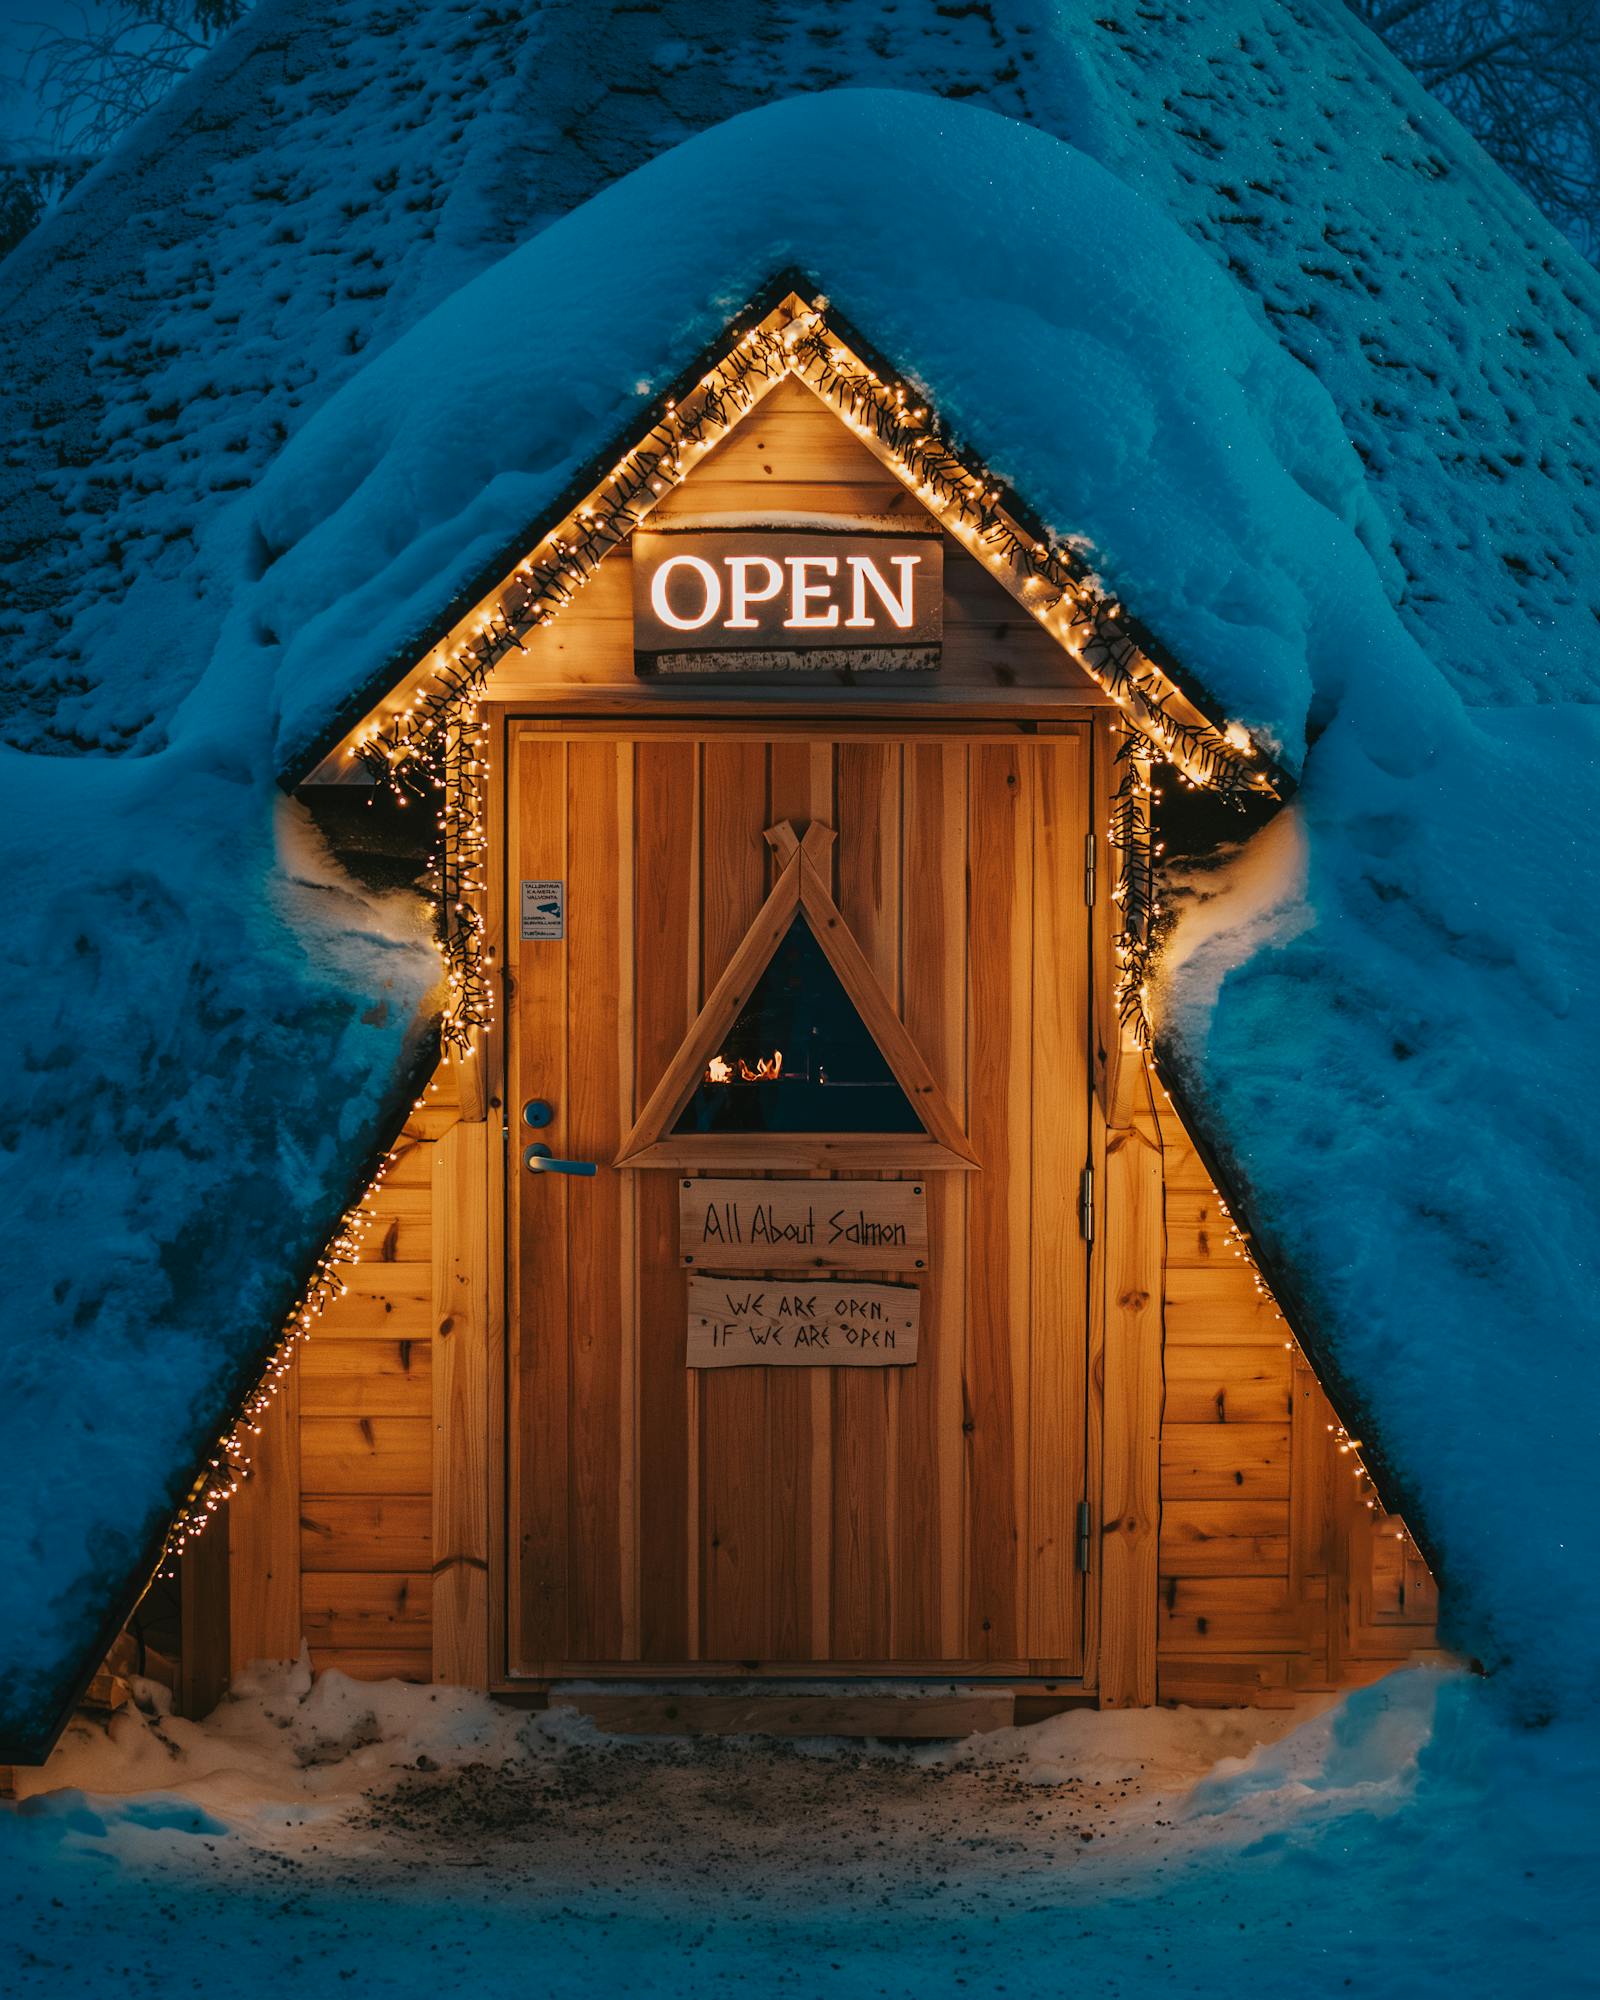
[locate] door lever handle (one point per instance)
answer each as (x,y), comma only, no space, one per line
(540,1160)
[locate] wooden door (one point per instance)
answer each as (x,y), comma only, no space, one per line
(904,1518)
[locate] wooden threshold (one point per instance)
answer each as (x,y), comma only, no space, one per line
(1019,1676)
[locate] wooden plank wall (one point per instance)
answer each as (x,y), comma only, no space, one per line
(331,1539)
(1274,1577)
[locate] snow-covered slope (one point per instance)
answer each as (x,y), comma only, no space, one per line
(339,166)
(209,548)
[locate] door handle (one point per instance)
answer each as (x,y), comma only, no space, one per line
(540,1160)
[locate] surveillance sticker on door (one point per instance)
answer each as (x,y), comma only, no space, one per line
(544,910)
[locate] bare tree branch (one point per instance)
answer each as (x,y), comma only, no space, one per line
(103,75)
(1523,76)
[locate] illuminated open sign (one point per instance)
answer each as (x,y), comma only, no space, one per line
(786,600)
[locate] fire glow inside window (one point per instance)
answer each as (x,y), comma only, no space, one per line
(798,1058)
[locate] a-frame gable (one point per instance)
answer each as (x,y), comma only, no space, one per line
(423,737)
(794,343)
(794,462)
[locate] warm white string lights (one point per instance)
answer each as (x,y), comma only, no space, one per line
(229,1460)
(427,741)
(1346,1445)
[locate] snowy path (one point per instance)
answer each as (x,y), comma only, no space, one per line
(403,1841)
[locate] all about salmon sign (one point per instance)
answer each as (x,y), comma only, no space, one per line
(751,1225)
(782,601)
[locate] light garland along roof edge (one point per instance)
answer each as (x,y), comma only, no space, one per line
(783,334)
(421,739)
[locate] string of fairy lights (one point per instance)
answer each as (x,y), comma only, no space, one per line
(1136,892)
(431,748)
(1345,1444)
(219,1477)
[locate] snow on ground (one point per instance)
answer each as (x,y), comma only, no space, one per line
(348,1838)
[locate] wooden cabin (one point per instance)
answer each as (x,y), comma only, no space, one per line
(796,1269)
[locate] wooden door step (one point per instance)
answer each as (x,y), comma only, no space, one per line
(789,1711)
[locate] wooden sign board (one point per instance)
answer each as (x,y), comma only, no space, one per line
(731,1225)
(801,1323)
(786,601)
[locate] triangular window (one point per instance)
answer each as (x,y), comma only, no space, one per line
(798,1058)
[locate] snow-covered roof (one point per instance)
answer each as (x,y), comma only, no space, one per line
(351,311)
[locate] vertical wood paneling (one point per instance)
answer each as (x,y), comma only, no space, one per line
(625,1250)
(499,1323)
(1060,1140)
(1000,810)
(264,1539)
(460,1551)
(798,1401)
(588,1126)
(1132,1494)
(667,927)
(930,1549)
(865,1401)
(539,1376)
(809,1515)
(734,1454)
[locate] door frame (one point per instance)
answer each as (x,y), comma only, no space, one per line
(774,716)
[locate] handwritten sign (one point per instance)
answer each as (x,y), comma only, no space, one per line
(800,1323)
(785,601)
(731,1225)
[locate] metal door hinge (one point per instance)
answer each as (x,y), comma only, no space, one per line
(1085,1537)
(1089,869)
(1086,1204)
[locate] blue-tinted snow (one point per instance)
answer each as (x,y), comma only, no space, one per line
(340,166)
(208,1042)
(1225,493)
(351,1836)
(1396,1066)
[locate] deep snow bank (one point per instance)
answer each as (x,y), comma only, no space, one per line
(208,1039)
(1207,470)
(337,167)
(1390,1057)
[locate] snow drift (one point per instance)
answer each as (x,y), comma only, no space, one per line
(1403,1843)
(208,1035)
